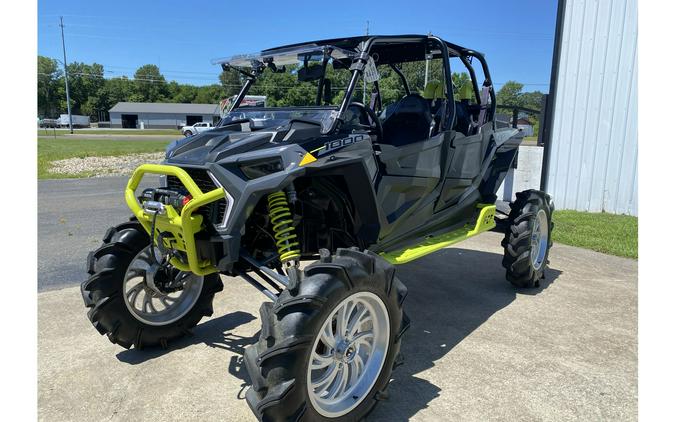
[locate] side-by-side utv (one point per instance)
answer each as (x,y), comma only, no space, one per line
(384,161)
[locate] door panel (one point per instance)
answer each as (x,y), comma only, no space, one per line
(464,166)
(421,159)
(410,173)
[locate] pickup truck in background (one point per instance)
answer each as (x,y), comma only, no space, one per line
(196,128)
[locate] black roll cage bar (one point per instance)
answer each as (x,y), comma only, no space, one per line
(359,63)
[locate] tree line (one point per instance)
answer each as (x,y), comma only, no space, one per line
(93,95)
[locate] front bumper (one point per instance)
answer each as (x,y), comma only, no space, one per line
(183,225)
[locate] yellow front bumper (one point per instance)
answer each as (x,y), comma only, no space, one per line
(182,225)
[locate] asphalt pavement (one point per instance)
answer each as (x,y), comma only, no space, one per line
(477,349)
(73,215)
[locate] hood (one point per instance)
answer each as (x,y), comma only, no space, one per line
(219,143)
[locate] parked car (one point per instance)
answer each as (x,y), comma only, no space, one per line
(196,128)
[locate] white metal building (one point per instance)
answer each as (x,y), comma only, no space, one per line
(161,115)
(592,163)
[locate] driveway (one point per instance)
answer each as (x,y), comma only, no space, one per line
(477,349)
(73,215)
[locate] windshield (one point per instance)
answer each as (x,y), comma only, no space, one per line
(312,80)
(266,118)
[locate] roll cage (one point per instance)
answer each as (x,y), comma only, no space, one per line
(354,54)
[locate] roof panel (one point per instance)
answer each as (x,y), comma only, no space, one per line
(176,108)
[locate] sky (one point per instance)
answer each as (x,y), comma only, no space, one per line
(183,37)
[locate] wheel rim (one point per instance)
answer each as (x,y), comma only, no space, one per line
(151,306)
(348,354)
(539,239)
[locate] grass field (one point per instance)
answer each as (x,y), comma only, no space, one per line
(530,140)
(50,132)
(602,232)
(57,149)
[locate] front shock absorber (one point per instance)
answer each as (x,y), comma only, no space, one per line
(282,226)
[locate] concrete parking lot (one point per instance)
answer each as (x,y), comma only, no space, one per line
(477,349)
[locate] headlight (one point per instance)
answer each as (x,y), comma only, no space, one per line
(256,169)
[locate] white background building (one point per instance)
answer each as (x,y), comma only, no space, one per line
(162,115)
(593,149)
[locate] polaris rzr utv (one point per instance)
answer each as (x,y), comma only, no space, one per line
(385,161)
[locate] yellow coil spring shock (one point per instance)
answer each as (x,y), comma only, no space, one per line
(282,226)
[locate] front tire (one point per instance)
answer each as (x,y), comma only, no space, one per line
(294,366)
(117,284)
(187,133)
(528,238)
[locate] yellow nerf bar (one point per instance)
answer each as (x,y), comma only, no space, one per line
(485,222)
(183,226)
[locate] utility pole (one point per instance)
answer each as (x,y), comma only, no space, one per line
(65,71)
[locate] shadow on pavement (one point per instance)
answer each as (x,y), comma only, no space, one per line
(216,332)
(450,294)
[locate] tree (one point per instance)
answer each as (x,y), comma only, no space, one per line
(178,93)
(84,81)
(50,79)
(510,94)
(532,99)
(231,82)
(209,94)
(150,85)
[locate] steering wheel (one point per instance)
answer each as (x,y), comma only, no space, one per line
(375,124)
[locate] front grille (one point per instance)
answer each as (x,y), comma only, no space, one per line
(214,212)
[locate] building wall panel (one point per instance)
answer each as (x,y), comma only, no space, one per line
(593,162)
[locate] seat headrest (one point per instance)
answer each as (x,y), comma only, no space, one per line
(412,103)
(433,90)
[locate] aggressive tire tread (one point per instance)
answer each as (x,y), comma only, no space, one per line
(102,292)
(276,363)
(516,243)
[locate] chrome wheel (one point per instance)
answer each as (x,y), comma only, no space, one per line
(539,239)
(348,354)
(150,305)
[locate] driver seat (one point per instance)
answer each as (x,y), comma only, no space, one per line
(409,122)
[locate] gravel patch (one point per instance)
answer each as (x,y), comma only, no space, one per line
(104,166)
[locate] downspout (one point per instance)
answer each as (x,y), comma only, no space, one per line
(553,91)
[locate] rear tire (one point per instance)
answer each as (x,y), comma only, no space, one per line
(528,238)
(278,363)
(104,293)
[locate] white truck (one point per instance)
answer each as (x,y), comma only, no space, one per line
(78,121)
(196,128)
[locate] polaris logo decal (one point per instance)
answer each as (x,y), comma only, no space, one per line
(340,143)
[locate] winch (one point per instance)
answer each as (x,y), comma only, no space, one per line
(153,200)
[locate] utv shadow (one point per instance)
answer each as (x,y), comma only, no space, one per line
(215,332)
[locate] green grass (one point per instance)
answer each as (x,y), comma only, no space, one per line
(58,149)
(50,132)
(602,232)
(530,140)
